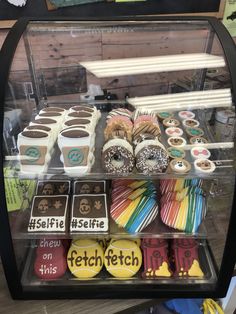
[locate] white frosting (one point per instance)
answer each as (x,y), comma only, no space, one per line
(147,143)
(118,142)
(200,155)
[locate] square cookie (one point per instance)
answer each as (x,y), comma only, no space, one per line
(49,214)
(53,187)
(89,187)
(89,213)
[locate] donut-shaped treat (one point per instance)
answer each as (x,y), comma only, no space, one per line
(151,157)
(118,130)
(117,156)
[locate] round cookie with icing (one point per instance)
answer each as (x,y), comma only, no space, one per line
(204,165)
(85,258)
(174,131)
(197,140)
(123,258)
(175,152)
(176,141)
(200,152)
(194,132)
(179,165)
(164,115)
(185,114)
(171,122)
(190,123)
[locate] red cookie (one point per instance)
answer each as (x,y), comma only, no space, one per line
(185,258)
(50,262)
(155,258)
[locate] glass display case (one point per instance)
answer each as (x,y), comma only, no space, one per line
(118,158)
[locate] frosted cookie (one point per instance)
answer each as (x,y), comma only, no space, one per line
(118,129)
(117,156)
(35,147)
(186,115)
(179,165)
(53,109)
(85,258)
(89,187)
(176,141)
(204,165)
(164,115)
(53,187)
(186,258)
(85,123)
(58,116)
(50,262)
(199,152)
(146,131)
(151,157)
(155,258)
(120,112)
(123,259)
(194,132)
(49,122)
(89,213)
(190,123)
(76,146)
(49,214)
(175,152)
(174,131)
(38,127)
(171,122)
(87,108)
(197,140)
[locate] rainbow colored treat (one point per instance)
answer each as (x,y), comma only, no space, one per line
(134,205)
(173,185)
(186,214)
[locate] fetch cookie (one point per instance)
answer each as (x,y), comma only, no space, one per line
(89,213)
(85,258)
(123,258)
(155,256)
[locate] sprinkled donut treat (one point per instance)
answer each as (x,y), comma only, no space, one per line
(146,131)
(134,204)
(151,157)
(117,156)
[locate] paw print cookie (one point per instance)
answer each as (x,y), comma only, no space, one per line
(179,165)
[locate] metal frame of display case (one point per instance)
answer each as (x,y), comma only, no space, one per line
(119,289)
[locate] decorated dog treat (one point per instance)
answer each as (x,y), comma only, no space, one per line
(179,165)
(50,262)
(76,147)
(117,156)
(185,214)
(197,140)
(194,132)
(120,112)
(123,259)
(155,258)
(151,157)
(49,214)
(175,152)
(53,187)
(89,213)
(164,115)
(186,115)
(186,258)
(146,131)
(176,141)
(34,148)
(118,129)
(89,187)
(85,258)
(170,122)
(199,152)
(172,185)
(134,205)
(190,123)
(204,165)
(173,131)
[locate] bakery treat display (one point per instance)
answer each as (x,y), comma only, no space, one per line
(123,258)
(173,131)
(204,165)
(89,213)
(164,115)
(185,114)
(134,204)
(179,165)
(199,152)
(49,214)
(190,123)
(53,187)
(89,187)
(194,132)
(50,261)
(155,258)
(85,258)
(170,122)
(175,152)
(197,140)
(176,141)
(176,185)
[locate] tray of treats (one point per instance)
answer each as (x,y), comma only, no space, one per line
(83,140)
(86,261)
